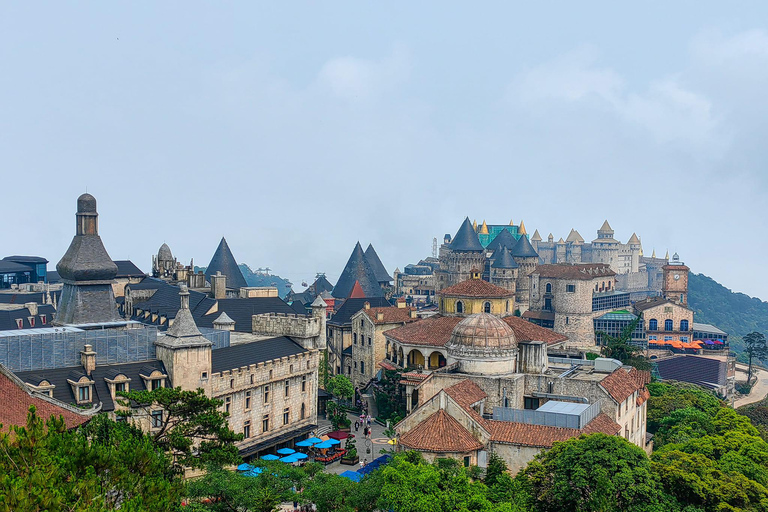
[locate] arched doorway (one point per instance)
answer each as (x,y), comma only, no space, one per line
(415,358)
(436,360)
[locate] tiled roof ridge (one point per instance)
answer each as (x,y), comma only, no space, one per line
(440,432)
(475,288)
(544,436)
(621,383)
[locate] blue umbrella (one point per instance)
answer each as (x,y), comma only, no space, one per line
(352,475)
(299,456)
(253,472)
(314,440)
(306,443)
(289,459)
(244,467)
(324,444)
(285,451)
(269,456)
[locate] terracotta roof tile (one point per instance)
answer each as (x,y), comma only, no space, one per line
(527,331)
(622,383)
(433,331)
(390,315)
(475,288)
(642,397)
(440,432)
(544,436)
(582,271)
(466,393)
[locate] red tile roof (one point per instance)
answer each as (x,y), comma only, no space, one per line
(622,383)
(466,393)
(387,366)
(475,288)
(642,397)
(543,436)
(581,271)
(390,315)
(15,398)
(433,331)
(442,433)
(527,331)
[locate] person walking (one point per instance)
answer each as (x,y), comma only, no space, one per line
(357,425)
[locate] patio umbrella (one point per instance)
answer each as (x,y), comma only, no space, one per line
(290,459)
(286,451)
(709,342)
(244,467)
(269,456)
(720,342)
(306,443)
(352,475)
(299,456)
(253,472)
(326,444)
(340,434)
(313,440)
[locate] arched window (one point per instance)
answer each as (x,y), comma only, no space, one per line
(487,307)
(507,306)
(668,325)
(549,287)
(303,411)
(459,306)
(653,324)
(683,325)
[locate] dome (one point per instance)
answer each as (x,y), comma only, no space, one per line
(482,335)
(164,254)
(86,203)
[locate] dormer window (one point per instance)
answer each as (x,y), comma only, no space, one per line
(41,386)
(20,323)
(31,321)
(81,387)
(152,377)
(43,320)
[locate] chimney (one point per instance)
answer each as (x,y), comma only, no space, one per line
(401,303)
(88,359)
(380,316)
(31,307)
(219,286)
(413,313)
(367,305)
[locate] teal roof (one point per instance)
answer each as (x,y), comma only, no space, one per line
(494,230)
(618,315)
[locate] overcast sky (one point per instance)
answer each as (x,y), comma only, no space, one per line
(296,129)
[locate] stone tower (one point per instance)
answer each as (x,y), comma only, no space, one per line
(527,259)
(636,250)
(504,270)
(675,284)
(464,253)
(87,272)
(184,351)
(164,264)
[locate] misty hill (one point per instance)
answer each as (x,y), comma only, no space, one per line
(735,313)
(261,279)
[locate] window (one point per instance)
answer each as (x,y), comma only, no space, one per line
(84,394)
(567,320)
(303,383)
(570,288)
(251,378)
(459,306)
(507,308)
(653,324)
(286,416)
(466,462)
(667,338)
(653,338)
(290,369)
(265,423)
(270,374)
(303,411)
(682,298)
(355,365)
(266,394)
(530,403)
(157,383)
(684,339)
(354,338)
(120,387)
(231,383)
(683,325)
(247,400)
(487,307)
(549,288)
(288,387)
(227,403)
(204,375)
(369,341)
(362,367)
(43,319)
(247,429)
(668,325)
(547,304)
(157,419)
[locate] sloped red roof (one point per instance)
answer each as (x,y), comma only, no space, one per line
(543,436)
(466,393)
(357,291)
(440,432)
(433,331)
(475,288)
(527,331)
(622,383)
(15,400)
(390,315)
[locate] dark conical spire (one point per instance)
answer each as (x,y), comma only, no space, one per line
(466,239)
(524,249)
(504,238)
(382,276)
(502,258)
(359,270)
(223,261)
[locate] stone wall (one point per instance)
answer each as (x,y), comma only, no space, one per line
(308,330)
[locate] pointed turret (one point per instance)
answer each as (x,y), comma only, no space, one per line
(524,249)
(654,253)
(184,331)
(357,270)
(223,261)
(536,236)
(574,237)
(633,240)
(521,230)
(550,238)
(666,256)
(483,229)
(474,224)
(382,276)
(606,228)
(511,222)
(466,239)
(502,258)
(504,238)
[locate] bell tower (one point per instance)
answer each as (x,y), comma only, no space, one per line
(675,285)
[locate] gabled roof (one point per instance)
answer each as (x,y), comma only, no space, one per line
(390,315)
(130,370)
(502,258)
(504,238)
(126,268)
(475,288)
(466,393)
(351,306)
(440,432)
(543,436)
(357,269)
(653,302)
(382,276)
(621,382)
(524,249)
(223,261)
(466,239)
(432,331)
(320,285)
(241,310)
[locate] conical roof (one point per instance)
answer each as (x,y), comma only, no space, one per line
(382,276)
(633,240)
(483,229)
(184,331)
(164,253)
(504,238)
(536,236)
(502,258)
(466,239)
(524,249)
(224,262)
(521,229)
(574,237)
(606,228)
(223,319)
(359,270)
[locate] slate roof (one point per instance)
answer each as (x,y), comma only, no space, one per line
(241,311)
(622,383)
(126,268)
(9,318)
(503,239)
(440,432)
(16,398)
(702,371)
(359,270)
(390,315)
(320,285)
(8,267)
(22,298)
(527,331)
(579,271)
(502,258)
(246,354)
(382,276)
(708,328)
(26,259)
(223,261)
(475,288)
(543,436)
(466,239)
(351,306)
(524,249)
(166,302)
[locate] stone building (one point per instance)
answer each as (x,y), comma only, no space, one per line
(368,342)
(665,320)
(339,327)
(417,283)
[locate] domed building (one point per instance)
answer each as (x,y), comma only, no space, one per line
(483,344)
(164,264)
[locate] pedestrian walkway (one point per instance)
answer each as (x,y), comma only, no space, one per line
(377,442)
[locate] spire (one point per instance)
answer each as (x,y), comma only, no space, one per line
(357,271)
(511,222)
(466,239)
(483,229)
(524,249)
(223,261)
(184,331)
(654,253)
(633,240)
(606,228)
(521,229)
(666,256)
(474,225)
(536,236)
(382,276)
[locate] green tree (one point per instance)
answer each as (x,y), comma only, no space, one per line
(667,397)
(682,425)
(341,387)
(755,348)
(193,430)
(592,473)
(331,493)
(225,491)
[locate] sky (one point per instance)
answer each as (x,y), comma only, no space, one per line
(295,129)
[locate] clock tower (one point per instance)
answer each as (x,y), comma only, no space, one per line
(675,286)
